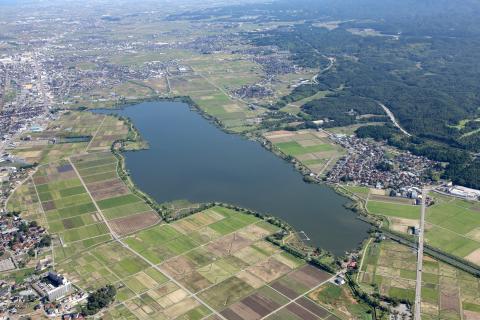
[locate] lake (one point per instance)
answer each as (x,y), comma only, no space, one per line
(190,158)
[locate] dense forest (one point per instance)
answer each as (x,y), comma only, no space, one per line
(418,57)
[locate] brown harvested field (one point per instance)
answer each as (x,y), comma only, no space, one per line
(228,244)
(231,314)
(195,282)
(309,276)
(178,267)
(449,300)
(470,315)
(286,291)
(134,223)
(278,134)
(40,180)
(474,257)
(110,192)
(181,307)
(250,279)
(312,307)
(253,232)
(48,205)
(269,270)
(255,306)
(66,175)
(301,312)
(107,184)
(260,304)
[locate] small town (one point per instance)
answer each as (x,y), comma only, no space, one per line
(368,163)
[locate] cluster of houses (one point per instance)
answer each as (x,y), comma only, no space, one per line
(49,293)
(371,164)
(252,91)
(19,240)
(24,97)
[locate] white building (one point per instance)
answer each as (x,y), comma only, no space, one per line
(53,287)
(464,192)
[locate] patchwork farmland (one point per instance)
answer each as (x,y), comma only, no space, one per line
(73,133)
(124,211)
(447,293)
(61,195)
(68,209)
(214,262)
(313,149)
(452,225)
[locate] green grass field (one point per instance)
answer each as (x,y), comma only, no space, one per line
(394,210)
(295,149)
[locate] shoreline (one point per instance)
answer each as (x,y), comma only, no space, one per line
(118,148)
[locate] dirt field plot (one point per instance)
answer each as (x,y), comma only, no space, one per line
(134,223)
(256,305)
(220,269)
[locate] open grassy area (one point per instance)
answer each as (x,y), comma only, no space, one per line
(447,293)
(454,226)
(394,209)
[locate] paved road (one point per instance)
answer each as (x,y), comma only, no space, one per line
(392,118)
(418,287)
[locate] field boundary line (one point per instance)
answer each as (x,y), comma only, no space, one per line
(456,233)
(395,203)
(96,132)
(300,296)
(44,216)
(118,239)
(363,258)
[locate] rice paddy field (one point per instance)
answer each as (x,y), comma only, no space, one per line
(98,132)
(452,225)
(447,293)
(313,149)
(215,262)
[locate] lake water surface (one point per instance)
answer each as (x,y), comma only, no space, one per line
(189,158)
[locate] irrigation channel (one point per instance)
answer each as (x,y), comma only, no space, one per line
(190,158)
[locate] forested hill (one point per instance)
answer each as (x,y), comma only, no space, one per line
(418,57)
